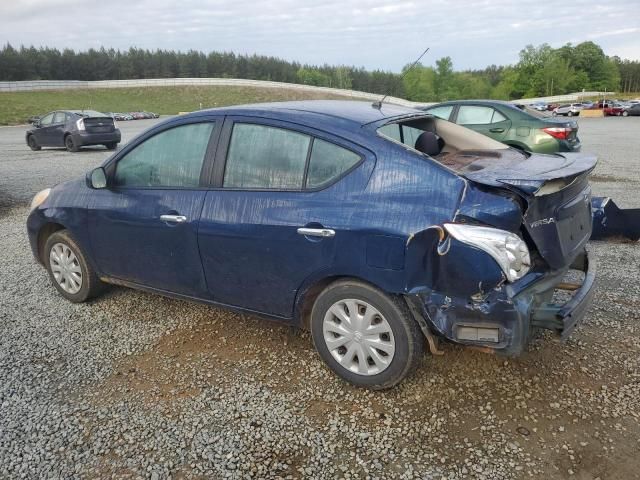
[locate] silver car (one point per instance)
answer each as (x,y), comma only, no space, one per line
(568,110)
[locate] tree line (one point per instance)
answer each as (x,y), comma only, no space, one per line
(540,71)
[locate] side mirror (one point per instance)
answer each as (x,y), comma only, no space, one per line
(97,178)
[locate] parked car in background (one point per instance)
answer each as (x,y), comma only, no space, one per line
(610,109)
(633,110)
(511,125)
(373,226)
(539,106)
(551,107)
(73,129)
(569,110)
(587,104)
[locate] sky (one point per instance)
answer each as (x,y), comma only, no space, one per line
(375,34)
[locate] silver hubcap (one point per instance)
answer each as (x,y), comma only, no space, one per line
(358,337)
(65,268)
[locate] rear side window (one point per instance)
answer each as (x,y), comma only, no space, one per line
(172,158)
(443,112)
(260,156)
(478,115)
(328,162)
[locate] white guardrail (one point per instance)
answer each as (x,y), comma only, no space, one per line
(173,82)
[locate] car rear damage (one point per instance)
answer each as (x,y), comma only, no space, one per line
(540,208)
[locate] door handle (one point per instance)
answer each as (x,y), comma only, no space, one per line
(173,218)
(497,130)
(317,232)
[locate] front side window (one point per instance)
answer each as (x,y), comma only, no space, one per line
(46,120)
(260,156)
(328,162)
(172,158)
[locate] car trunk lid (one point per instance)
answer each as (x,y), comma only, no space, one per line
(557,195)
(99,124)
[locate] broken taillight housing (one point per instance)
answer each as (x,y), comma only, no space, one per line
(506,248)
(561,133)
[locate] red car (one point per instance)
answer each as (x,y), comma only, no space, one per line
(611,109)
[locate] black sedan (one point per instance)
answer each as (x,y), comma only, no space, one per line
(632,110)
(73,129)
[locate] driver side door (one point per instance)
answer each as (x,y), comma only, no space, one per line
(143,227)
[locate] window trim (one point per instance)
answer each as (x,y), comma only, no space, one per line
(207,161)
(216,180)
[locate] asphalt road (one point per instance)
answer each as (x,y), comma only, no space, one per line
(133,385)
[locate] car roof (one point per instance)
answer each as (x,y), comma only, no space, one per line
(476,102)
(356,113)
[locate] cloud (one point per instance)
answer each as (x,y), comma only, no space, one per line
(373,33)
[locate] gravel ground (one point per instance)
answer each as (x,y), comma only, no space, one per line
(133,385)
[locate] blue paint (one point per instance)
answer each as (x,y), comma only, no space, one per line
(241,249)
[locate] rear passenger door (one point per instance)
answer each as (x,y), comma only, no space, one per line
(271,222)
(483,119)
(56,130)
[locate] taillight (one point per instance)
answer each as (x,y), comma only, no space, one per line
(80,124)
(561,133)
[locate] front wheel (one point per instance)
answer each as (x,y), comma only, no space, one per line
(625,114)
(33,143)
(365,336)
(68,268)
(70,144)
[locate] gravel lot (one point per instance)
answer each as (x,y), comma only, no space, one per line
(133,385)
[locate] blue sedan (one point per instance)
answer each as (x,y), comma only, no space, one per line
(379,228)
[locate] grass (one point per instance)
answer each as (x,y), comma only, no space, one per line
(16,107)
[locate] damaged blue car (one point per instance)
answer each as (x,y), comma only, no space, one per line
(381,229)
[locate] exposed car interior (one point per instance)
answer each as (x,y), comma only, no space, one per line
(451,145)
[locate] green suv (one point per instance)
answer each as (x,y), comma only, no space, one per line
(511,124)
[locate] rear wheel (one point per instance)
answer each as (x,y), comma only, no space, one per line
(68,268)
(70,144)
(625,114)
(365,336)
(33,144)
(570,114)
(111,146)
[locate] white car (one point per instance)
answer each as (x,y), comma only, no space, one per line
(569,109)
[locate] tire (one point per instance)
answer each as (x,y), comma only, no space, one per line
(397,333)
(56,259)
(570,114)
(625,114)
(70,144)
(555,114)
(33,144)
(111,146)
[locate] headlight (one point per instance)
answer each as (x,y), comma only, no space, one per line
(506,248)
(40,198)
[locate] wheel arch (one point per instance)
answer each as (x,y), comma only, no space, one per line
(44,233)
(311,289)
